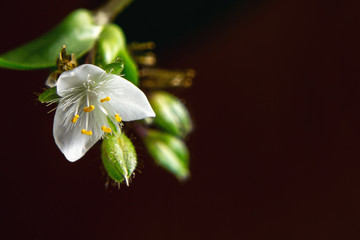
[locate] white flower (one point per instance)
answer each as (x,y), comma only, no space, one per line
(90,100)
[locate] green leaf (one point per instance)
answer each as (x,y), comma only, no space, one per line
(130,69)
(110,41)
(115,67)
(77,31)
(118,156)
(112,45)
(114,126)
(49,95)
(171,114)
(169,152)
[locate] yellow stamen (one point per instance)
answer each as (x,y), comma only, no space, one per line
(84,131)
(89,109)
(75,118)
(117,117)
(106,129)
(105,99)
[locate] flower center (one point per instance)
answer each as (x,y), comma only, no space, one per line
(90,85)
(90,94)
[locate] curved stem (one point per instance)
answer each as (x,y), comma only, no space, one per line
(110,10)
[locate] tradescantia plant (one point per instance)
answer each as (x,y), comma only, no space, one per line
(102,85)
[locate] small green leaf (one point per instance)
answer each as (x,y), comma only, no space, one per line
(112,45)
(118,156)
(113,126)
(169,152)
(49,95)
(171,114)
(115,67)
(77,31)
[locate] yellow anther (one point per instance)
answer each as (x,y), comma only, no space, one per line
(89,109)
(106,129)
(84,131)
(75,118)
(117,117)
(105,99)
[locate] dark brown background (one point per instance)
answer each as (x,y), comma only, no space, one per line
(275,151)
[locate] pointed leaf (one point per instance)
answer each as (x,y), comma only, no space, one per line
(49,95)
(77,31)
(115,67)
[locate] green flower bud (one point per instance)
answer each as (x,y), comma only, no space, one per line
(171,114)
(112,45)
(118,156)
(169,152)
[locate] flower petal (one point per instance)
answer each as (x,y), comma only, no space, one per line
(68,137)
(128,100)
(77,76)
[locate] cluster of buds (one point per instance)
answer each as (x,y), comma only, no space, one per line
(164,135)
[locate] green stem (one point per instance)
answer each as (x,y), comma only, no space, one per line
(110,10)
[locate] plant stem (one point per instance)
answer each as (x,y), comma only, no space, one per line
(110,10)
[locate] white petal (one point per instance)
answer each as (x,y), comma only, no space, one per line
(128,100)
(77,76)
(68,137)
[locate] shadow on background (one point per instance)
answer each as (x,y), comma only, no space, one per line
(275,149)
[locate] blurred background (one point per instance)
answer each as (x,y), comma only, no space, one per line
(275,150)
